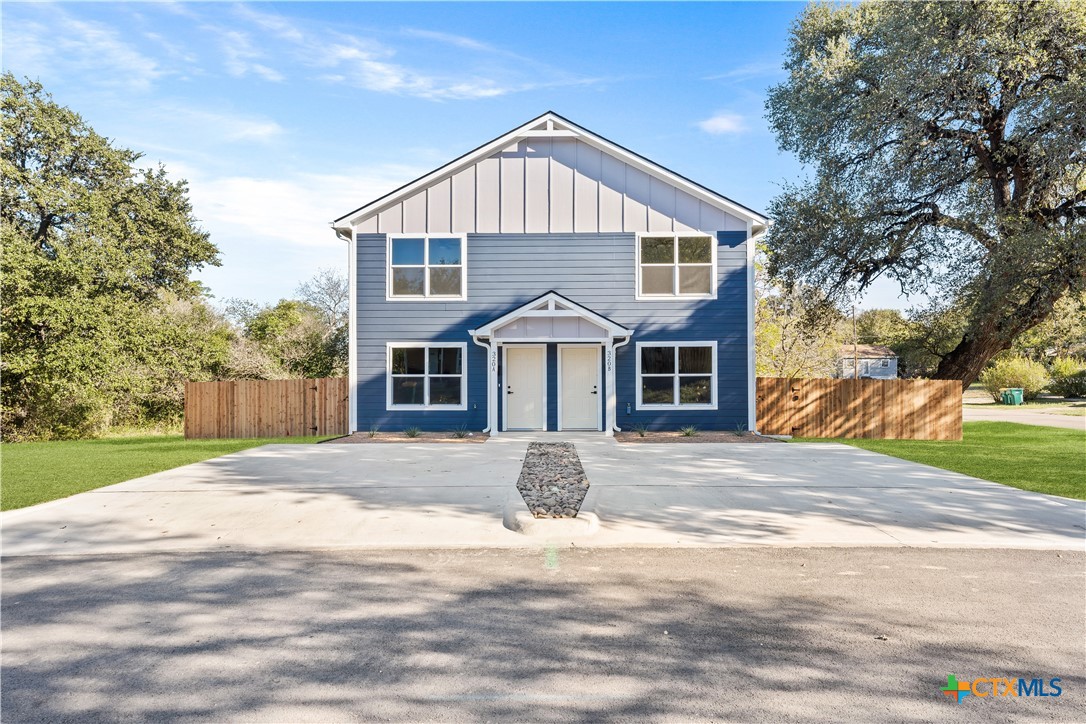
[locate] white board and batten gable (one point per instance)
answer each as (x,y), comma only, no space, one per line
(551,176)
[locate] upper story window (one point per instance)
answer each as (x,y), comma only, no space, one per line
(427,266)
(675,265)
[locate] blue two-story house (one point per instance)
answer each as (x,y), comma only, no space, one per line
(551,280)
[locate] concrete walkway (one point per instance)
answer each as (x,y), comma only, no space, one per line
(999,413)
(293,497)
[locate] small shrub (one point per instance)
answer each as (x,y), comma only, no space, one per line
(373,430)
(689,430)
(1031,376)
(460,432)
(1068,377)
(740,429)
(640,430)
(411,431)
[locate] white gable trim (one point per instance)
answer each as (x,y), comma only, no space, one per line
(549,125)
(551,301)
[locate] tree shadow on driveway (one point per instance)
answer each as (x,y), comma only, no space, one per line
(739,634)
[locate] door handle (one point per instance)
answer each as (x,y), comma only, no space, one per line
(508,391)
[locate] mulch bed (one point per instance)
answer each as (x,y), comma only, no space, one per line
(718,436)
(552,481)
(383,437)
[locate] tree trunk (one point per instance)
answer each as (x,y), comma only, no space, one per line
(966,361)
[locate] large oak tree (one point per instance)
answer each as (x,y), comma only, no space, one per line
(947,148)
(98,308)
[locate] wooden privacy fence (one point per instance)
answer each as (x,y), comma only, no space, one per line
(895,409)
(266,408)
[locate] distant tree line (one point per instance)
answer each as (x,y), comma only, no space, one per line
(101,321)
(799,332)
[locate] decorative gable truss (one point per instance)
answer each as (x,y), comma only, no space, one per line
(551,318)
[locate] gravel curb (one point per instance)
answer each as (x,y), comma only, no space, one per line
(536,475)
(520,520)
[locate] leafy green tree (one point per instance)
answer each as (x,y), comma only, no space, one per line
(887,327)
(796,334)
(95,250)
(948,146)
(295,335)
(1062,334)
(934,331)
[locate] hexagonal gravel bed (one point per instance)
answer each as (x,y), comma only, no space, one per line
(552,480)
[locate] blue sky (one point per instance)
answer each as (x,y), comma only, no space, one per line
(283,116)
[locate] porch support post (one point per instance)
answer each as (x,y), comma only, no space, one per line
(609,369)
(492,397)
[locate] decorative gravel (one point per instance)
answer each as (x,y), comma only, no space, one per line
(552,481)
(714,436)
(363,438)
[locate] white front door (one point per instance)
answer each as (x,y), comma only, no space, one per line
(579,386)
(525,388)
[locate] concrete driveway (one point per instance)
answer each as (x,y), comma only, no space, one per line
(999,413)
(292,497)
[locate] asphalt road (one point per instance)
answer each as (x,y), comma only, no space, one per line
(731,634)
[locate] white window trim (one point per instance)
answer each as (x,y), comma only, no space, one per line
(426,297)
(676,406)
(462,346)
(713,283)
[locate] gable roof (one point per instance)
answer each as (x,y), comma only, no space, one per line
(551,125)
(866,351)
(554,302)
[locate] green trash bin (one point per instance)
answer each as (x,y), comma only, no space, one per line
(1013,396)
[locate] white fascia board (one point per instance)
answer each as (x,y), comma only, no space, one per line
(437,175)
(529,130)
(614,329)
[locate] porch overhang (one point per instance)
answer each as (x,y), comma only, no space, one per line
(551,318)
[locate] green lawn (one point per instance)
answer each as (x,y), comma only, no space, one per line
(34,472)
(1043,459)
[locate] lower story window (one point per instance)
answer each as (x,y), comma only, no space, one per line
(680,374)
(426,376)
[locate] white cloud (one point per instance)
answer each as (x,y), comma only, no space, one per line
(273,231)
(364,67)
(290,210)
(458,41)
(723,123)
(180,130)
(67,46)
(750,70)
(229,127)
(371,65)
(240,57)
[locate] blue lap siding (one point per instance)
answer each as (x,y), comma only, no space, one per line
(595,270)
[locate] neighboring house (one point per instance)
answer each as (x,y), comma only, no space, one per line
(870,360)
(551,280)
